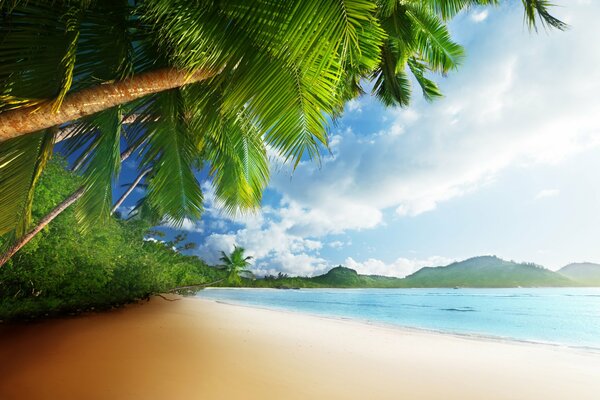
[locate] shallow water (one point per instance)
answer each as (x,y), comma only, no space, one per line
(566,316)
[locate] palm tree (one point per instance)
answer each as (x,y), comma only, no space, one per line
(235,265)
(215,81)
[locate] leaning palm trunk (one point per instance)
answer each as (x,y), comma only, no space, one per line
(201,285)
(129,190)
(67,131)
(23,240)
(56,211)
(22,121)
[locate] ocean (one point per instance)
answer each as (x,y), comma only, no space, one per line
(561,316)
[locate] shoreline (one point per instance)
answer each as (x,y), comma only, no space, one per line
(411,329)
(200,348)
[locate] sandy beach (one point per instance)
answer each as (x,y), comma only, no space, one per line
(200,349)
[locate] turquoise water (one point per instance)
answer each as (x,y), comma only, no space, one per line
(566,316)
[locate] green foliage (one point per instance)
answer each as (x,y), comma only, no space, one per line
(281,71)
(65,270)
(338,277)
(170,153)
(17,183)
(100,161)
(235,265)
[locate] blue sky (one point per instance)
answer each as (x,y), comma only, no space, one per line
(506,163)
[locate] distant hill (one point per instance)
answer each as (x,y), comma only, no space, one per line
(339,276)
(586,274)
(487,271)
(347,277)
(477,272)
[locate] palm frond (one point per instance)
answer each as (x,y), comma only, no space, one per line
(72,30)
(447,9)
(429,87)
(391,83)
(21,163)
(232,147)
(169,152)
(434,42)
(51,48)
(100,160)
(34,53)
(538,9)
(289,103)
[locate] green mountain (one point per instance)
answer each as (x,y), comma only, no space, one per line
(482,272)
(487,271)
(347,277)
(586,274)
(339,276)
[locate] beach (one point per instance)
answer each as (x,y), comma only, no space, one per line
(201,349)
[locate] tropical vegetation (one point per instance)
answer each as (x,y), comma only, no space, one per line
(187,89)
(62,270)
(202,85)
(236,266)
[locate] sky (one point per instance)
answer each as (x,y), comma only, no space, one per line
(507,163)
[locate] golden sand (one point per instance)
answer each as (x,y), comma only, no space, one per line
(199,349)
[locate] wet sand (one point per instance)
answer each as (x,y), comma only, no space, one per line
(200,349)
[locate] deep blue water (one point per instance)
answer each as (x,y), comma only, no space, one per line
(567,316)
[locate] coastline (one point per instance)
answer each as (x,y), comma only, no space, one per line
(200,348)
(494,335)
(412,329)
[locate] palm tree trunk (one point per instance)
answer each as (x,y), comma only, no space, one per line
(196,286)
(23,240)
(56,211)
(66,131)
(129,190)
(19,122)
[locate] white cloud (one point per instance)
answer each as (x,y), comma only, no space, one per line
(400,268)
(354,105)
(301,264)
(187,225)
(271,241)
(153,240)
(479,16)
(547,193)
(338,244)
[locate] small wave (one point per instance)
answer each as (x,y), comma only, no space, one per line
(461,309)
(350,304)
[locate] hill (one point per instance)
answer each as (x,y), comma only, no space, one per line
(487,271)
(347,277)
(586,274)
(476,272)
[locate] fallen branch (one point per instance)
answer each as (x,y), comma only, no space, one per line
(165,298)
(202,285)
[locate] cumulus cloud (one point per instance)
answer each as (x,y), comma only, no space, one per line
(187,225)
(400,268)
(267,236)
